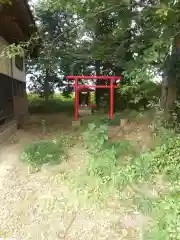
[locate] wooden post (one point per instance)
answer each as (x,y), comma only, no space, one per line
(76,100)
(111,98)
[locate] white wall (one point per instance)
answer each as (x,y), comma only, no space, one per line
(18,74)
(5,63)
(8,66)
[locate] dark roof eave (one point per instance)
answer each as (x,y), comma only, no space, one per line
(30,14)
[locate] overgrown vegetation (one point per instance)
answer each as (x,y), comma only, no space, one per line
(138,95)
(105,158)
(138,40)
(56,104)
(133,97)
(104,154)
(114,167)
(39,153)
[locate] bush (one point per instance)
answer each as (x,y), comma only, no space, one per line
(56,104)
(166,218)
(104,155)
(166,159)
(164,210)
(37,154)
(115,121)
(163,160)
(137,95)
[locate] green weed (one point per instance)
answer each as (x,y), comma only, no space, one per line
(115,121)
(39,153)
(163,160)
(166,218)
(104,161)
(54,105)
(164,210)
(106,174)
(96,180)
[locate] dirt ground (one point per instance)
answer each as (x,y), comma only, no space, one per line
(40,206)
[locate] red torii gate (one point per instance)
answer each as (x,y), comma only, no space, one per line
(78,87)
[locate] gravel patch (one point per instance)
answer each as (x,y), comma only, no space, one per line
(39,206)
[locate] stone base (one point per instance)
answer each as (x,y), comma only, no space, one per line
(84,112)
(76,123)
(123,122)
(8,131)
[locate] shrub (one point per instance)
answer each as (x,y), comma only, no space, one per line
(37,154)
(166,218)
(164,210)
(166,159)
(95,137)
(137,95)
(115,121)
(54,105)
(163,160)
(102,164)
(104,155)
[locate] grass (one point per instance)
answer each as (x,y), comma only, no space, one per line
(39,153)
(110,168)
(146,168)
(57,104)
(114,122)
(98,178)
(107,172)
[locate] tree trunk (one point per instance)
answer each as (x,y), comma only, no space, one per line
(169,80)
(168,96)
(98,82)
(46,86)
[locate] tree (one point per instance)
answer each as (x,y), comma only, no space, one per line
(130,38)
(58,33)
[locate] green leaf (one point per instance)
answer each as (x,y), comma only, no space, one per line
(91,126)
